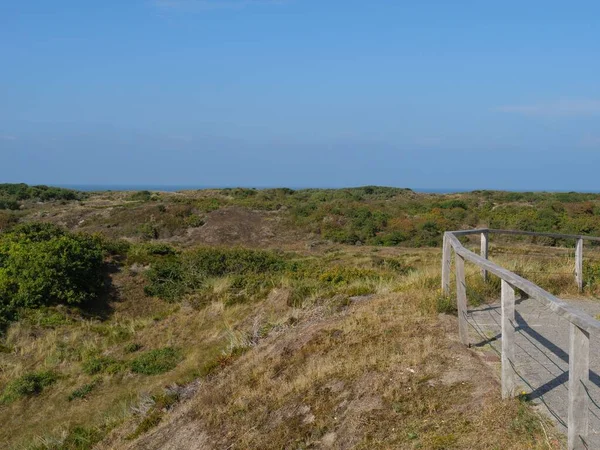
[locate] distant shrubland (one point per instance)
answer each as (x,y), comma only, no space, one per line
(392,216)
(369,215)
(11,195)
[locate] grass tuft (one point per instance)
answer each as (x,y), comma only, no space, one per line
(154,362)
(30,384)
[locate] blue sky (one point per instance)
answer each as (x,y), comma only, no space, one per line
(422,94)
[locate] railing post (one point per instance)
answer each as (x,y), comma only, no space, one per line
(461,299)
(579,264)
(446,262)
(484,252)
(508,340)
(579,372)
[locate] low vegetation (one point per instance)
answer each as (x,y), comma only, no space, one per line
(120,308)
(26,385)
(12,195)
(155,362)
(42,264)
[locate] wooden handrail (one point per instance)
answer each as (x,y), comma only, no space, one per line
(581,324)
(574,315)
(525,233)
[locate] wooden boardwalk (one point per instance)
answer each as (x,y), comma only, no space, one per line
(513,325)
(541,357)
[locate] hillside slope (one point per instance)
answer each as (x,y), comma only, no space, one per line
(375,374)
(264,319)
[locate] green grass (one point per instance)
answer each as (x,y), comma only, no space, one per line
(83,391)
(27,385)
(155,362)
(102,364)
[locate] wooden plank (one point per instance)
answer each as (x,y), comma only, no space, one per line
(524,233)
(468,232)
(446,265)
(579,369)
(461,300)
(508,340)
(484,252)
(552,235)
(579,318)
(579,264)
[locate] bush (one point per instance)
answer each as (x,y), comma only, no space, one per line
(141,196)
(102,364)
(157,361)
(194,221)
(591,274)
(166,280)
(32,383)
(149,230)
(169,279)
(42,264)
(11,195)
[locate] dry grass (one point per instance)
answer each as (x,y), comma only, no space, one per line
(382,373)
(378,371)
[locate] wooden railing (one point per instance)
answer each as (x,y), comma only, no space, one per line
(581,324)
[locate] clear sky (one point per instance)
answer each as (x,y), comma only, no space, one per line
(422,94)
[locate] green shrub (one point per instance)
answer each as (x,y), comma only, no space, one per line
(32,383)
(154,362)
(591,274)
(149,230)
(219,262)
(13,193)
(149,252)
(112,247)
(42,264)
(194,221)
(102,364)
(169,279)
(141,196)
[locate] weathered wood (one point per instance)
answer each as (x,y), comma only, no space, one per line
(524,233)
(574,315)
(508,340)
(552,235)
(461,299)
(468,232)
(581,324)
(579,264)
(579,367)
(446,265)
(484,252)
